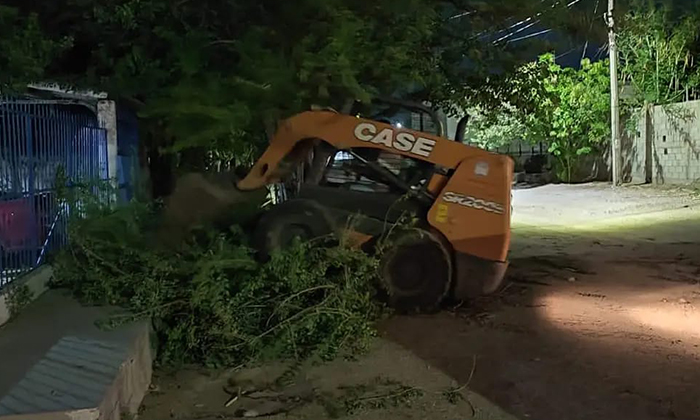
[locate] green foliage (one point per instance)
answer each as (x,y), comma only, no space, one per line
(453,395)
(210,301)
(569,109)
(580,121)
(218,75)
(478,52)
(518,105)
(17,297)
(657,54)
(379,393)
(25,50)
(494,130)
(214,77)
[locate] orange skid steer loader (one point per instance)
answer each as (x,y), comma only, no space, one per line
(382,161)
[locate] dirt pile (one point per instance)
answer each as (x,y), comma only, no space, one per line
(207,198)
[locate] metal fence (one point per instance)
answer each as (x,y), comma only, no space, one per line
(39,140)
(525,154)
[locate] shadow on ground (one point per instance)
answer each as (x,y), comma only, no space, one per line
(592,326)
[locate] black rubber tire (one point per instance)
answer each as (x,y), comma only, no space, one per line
(277,228)
(416,271)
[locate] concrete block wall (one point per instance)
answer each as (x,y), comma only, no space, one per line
(666,147)
(636,158)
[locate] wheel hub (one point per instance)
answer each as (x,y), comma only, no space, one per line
(408,269)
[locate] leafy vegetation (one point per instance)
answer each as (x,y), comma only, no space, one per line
(494,130)
(379,393)
(657,54)
(566,108)
(25,51)
(210,301)
(17,297)
(580,120)
(210,79)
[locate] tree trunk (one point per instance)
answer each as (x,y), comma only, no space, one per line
(160,165)
(192,160)
(161,168)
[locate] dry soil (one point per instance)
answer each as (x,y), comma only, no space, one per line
(600,320)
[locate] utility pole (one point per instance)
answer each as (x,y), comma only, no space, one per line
(614,99)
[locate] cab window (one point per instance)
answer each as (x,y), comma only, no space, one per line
(346,171)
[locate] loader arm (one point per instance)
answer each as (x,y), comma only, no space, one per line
(469,189)
(346,132)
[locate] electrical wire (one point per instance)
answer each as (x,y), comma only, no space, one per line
(526,20)
(568,6)
(530,36)
(566,53)
(590,28)
(461,15)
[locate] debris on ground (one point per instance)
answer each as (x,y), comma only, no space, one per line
(210,300)
(593,295)
(389,383)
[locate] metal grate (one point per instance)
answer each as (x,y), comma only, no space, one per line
(37,138)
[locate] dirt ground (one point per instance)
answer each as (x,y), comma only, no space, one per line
(602,316)
(564,205)
(600,320)
(388,383)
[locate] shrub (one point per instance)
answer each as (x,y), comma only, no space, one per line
(210,301)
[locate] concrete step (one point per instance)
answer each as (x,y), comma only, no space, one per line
(56,364)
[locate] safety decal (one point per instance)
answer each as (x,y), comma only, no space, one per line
(442,211)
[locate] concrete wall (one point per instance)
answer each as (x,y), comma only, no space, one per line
(107,117)
(665,149)
(636,152)
(35,280)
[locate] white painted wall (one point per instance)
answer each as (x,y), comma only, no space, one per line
(107,118)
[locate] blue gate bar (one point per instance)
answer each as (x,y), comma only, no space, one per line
(36,139)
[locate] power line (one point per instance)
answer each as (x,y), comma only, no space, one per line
(590,28)
(530,36)
(526,19)
(515,32)
(516,24)
(568,6)
(461,15)
(566,53)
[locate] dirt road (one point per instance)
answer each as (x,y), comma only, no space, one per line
(601,319)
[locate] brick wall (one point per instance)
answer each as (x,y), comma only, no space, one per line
(665,149)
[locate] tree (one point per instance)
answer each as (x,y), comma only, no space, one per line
(25,51)
(580,114)
(494,130)
(211,78)
(569,109)
(657,55)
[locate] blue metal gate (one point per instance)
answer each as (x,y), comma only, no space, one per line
(37,140)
